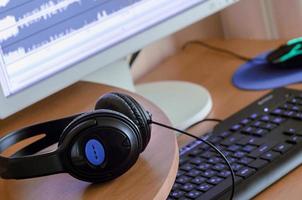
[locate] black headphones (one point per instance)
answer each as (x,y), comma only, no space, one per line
(95,147)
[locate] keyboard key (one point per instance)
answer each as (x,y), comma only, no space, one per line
(245,160)
(187,187)
(219,167)
(208,173)
(295,108)
(177,194)
(282,148)
(224,173)
(215,160)
(204,187)
(234,147)
(295,101)
(278,111)
(183,179)
(294,139)
(260,132)
(198,180)
(245,121)
(289,113)
(258,124)
(225,134)
(290,131)
(271,155)
(269,126)
(180,173)
(245,172)
(187,167)
(208,154)
(215,180)
(236,166)
(249,148)
(239,154)
(176,186)
(248,130)
(235,127)
(266,118)
(286,106)
(258,164)
(232,159)
(278,120)
(227,153)
(215,139)
(254,116)
(195,152)
(197,161)
(204,166)
(262,149)
(298,115)
(183,160)
(193,173)
(250,140)
(193,194)
(231,140)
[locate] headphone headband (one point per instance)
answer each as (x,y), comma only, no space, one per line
(33,165)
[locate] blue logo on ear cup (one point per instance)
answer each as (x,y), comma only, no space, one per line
(95,152)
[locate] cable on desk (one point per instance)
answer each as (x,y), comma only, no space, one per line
(208,143)
(134,58)
(222,50)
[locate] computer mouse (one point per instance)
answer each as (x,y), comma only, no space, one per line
(287,55)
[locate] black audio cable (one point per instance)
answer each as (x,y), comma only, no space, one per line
(209,144)
(133,58)
(222,50)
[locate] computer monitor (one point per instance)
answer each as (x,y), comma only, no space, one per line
(47,45)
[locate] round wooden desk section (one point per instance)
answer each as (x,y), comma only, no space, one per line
(150,178)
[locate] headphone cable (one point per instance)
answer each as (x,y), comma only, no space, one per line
(209,144)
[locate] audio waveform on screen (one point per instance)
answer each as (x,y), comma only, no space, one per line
(3,3)
(27,26)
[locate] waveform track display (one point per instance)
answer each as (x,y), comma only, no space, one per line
(47,10)
(37,23)
(8,28)
(4,3)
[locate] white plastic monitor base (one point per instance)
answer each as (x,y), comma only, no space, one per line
(184,103)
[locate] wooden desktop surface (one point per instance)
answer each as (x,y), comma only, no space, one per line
(214,70)
(151,177)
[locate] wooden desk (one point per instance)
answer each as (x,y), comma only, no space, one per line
(150,178)
(214,70)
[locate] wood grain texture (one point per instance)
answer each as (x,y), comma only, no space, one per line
(150,178)
(214,71)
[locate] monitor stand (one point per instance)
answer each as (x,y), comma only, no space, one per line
(184,103)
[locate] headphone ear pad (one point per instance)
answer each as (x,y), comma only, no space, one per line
(131,108)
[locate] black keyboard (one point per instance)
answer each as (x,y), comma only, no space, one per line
(262,142)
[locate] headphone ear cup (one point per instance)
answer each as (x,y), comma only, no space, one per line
(71,125)
(128,106)
(79,158)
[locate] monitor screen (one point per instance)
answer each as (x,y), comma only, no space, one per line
(39,38)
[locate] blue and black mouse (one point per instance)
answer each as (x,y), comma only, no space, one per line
(272,69)
(287,55)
